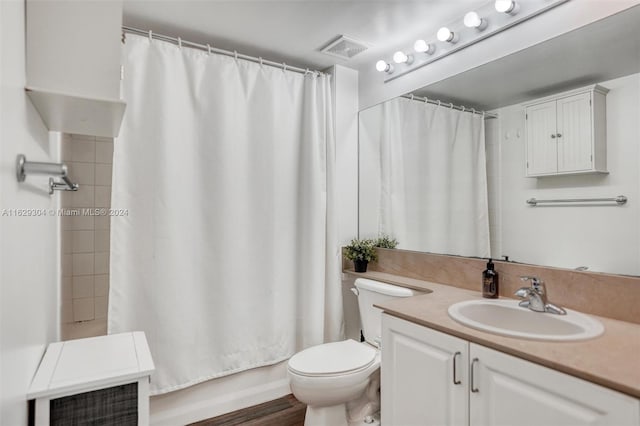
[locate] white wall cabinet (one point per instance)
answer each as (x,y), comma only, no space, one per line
(491,388)
(566,133)
(73,64)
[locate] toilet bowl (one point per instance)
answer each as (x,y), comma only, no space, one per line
(340,381)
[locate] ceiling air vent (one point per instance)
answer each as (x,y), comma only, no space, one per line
(344,47)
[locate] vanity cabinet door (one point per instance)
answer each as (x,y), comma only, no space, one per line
(506,390)
(418,382)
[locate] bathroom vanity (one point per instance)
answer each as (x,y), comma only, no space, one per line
(438,371)
(430,377)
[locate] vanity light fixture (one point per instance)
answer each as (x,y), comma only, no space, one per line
(486,20)
(383,66)
(445,34)
(421,46)
(402,58)
(473,20)
(506,6)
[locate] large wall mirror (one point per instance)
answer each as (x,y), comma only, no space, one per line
(443,177)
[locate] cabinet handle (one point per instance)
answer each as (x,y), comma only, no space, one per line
(559,135)
(553,136)
(455,374)
(474,389)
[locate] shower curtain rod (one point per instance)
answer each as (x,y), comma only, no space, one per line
(462,108)
(210,49)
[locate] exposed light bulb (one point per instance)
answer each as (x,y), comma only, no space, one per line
(473,20)
(422,46)
(383,66)
(401,58)
(506,6)
(445,34)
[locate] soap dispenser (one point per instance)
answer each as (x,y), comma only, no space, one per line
(490,281)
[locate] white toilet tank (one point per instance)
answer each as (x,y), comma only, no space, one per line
(373,292)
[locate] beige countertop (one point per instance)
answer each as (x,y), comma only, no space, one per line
(611,360)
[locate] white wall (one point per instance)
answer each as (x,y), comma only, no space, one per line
(345,98)
(562,19)
(604,238)
(29,249)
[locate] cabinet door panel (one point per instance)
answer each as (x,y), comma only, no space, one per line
(512,391)
(575,147)
(417,376)
(541,141)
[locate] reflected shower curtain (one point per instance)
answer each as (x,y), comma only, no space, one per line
(433,195)
(228,258)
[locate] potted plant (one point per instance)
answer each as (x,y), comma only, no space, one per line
(385,241)
(361,252)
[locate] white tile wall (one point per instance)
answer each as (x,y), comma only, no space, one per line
(85,239)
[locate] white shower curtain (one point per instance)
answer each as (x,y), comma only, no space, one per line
(433,195)
(228,258)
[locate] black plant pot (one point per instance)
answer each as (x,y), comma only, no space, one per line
(360,265)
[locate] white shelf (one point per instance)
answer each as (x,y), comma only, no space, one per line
(75,114)
(81,365)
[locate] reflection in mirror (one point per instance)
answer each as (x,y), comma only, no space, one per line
(426,181)
(445,181)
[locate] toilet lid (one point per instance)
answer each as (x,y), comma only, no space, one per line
(332,358)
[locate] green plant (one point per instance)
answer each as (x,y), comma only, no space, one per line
(385,241)
(361,250)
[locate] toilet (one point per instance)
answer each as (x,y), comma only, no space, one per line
(340,381)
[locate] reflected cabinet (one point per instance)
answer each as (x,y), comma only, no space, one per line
(566,133)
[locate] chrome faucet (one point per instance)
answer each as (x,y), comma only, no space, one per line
(536,297)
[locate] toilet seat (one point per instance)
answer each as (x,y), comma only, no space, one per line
(333,359)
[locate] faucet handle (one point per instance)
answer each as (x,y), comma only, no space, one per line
(536,282)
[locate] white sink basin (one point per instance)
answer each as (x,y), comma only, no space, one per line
(505,317)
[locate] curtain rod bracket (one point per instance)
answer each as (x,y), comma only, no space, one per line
(24,168)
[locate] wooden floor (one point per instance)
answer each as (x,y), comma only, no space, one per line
(286,411)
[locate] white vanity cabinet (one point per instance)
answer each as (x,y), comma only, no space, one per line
(419,384)
(566,133)
(491,388)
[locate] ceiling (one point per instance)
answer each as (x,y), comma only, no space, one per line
(604,50)
(294,31)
